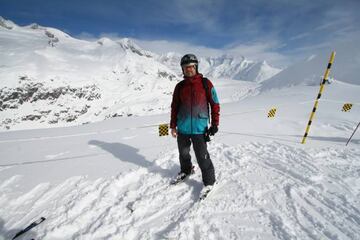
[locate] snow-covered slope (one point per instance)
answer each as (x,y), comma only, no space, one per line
(110,179)
(311,71)
(227,66)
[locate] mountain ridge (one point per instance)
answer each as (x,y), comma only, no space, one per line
(50,78)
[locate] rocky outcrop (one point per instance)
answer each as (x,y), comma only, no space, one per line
(6,23)
(127,44)
(52,38)
(170,76)
(32,92)
(49,110)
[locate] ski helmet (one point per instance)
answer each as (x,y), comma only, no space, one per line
(189,58)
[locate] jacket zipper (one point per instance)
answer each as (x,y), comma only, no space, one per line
(191,103)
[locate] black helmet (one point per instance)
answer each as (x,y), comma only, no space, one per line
(189,58)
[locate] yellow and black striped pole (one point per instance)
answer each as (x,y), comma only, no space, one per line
(326,75)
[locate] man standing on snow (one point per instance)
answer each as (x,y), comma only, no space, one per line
(189,121)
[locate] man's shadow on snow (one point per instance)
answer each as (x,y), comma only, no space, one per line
(130,154)
(10,233)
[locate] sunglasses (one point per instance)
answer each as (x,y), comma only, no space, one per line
(188,67)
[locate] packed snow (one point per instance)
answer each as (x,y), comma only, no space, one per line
(110,179)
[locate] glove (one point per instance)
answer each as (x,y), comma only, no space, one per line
(213,129)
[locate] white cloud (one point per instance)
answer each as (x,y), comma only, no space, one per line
(86,36)
(91,37)
(164,46)
(300,36)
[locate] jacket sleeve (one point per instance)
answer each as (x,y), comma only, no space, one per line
(214,104)
(174,106)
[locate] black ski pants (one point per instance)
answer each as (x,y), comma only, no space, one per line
(201,153)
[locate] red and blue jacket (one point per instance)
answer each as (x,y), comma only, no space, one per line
(189,107)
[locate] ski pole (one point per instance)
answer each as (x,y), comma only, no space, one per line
(32,225)
(352,134)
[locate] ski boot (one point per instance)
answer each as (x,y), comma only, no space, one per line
(181,177)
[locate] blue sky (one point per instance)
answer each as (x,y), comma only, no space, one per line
(280,31)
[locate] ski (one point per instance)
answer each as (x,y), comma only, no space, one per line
(32,225)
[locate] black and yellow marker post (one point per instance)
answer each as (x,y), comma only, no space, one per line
(347,107)
(326,75)
(271,113)
(163,130)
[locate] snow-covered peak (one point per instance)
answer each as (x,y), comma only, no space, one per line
(56,33)
(172,60)
(170,57)
(173,54)
(104,41)
(128,44)
(239,68)
(50,32)
(262,71)
(7,23)
(34,26)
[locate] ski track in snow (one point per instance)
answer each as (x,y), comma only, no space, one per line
(264,191)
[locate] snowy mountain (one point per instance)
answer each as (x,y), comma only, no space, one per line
(311,70)
(238,68)
(227,66)
(49,77)
(52,79)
